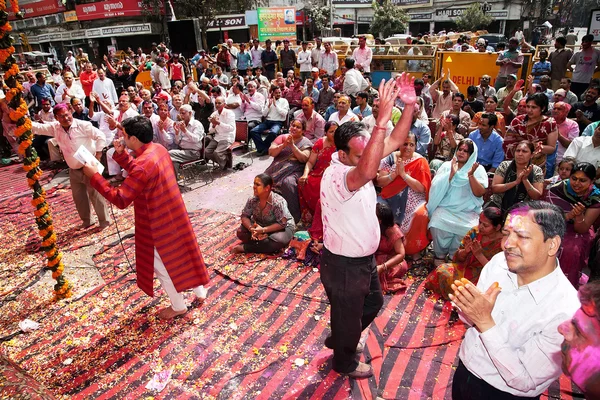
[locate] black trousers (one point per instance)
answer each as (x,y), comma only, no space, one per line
(466,386)
(353,290)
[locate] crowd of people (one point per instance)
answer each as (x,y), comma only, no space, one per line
(500,184)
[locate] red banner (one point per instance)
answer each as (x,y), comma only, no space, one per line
(38,8)
(111,8)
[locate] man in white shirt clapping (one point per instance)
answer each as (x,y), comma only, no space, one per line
(512,349)
(222,126)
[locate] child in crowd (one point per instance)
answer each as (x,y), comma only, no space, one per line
(563,172)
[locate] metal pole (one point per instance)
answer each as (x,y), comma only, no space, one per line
(331,17)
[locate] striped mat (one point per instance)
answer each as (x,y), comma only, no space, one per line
(259,335)
(14,182)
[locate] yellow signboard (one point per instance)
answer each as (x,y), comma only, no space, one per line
(145,79)
(70,16)
(466,69)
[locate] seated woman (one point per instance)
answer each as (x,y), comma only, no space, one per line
(517,180)
(445,140)
(455,200)
(579,198)
(310,181)
(290,153)
(478,246)
(534,126)
(490,107)
(267,225)
(389,256)
(405,180)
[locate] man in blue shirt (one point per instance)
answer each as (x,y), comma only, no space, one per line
(41,90)
(363,109)
(489,143)
(420,129)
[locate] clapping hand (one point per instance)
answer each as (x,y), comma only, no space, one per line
(400,168)
(288,141)
(476,247)
(474,168)
(453,166)
(519,85)
(523,175)
(475,305)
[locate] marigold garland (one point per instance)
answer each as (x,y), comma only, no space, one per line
(19,115)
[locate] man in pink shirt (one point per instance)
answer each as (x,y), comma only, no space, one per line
(363,55)
(351,230)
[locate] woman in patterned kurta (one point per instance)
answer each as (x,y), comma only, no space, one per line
(478,246)
(535,127)
(162,223)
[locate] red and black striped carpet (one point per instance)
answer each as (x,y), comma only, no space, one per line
(258,335)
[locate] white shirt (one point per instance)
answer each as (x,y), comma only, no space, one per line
(80,133)
(173,113)
(166,136)
(370,122)
(329,62)
(278,111)
(350,226)
(72,63)
(354,82)
(363,57)
(106,87)
(190,138)
(235,98)
(315,55)
(223,79)
(225,130)
(304,60)
(159,74)
(350,116)
(255,108)
(75,90)
(100,118)
(521,354)
(255,54)
(233,52)
(582,149)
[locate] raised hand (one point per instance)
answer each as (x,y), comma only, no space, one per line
(474,168)
(387,95)
(519,84)
(400,168)
(407,92)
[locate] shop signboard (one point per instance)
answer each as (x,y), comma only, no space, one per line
(277,23)
(36,8)
(111,9)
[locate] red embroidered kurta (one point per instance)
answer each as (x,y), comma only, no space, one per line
(161,219)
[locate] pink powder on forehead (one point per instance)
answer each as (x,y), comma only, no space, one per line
(362,141)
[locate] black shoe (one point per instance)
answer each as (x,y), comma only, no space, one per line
(329,345)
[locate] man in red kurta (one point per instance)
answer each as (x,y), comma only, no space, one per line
(165,242)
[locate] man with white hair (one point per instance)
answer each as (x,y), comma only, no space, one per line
(68,90)
(233,53)
(71,62)
(189,133)
(177,102)
(221,133)
(253,106)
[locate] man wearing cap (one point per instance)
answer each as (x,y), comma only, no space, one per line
(509,61)
(269,60)
(305,62)
(503,92)
(71,62)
